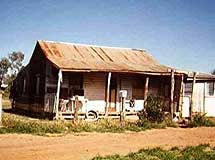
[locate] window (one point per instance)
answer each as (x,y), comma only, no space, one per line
(210,88)
(188,89)
(37,84)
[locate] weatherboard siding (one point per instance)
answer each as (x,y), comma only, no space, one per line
(95,86)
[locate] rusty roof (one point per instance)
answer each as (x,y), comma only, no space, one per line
(79,57)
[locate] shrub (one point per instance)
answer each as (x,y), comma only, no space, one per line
(153,111)
(201,120)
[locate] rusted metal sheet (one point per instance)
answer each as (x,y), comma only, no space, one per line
(78,57)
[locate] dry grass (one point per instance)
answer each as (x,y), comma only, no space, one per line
(6,104)
(212,119)
(20,124)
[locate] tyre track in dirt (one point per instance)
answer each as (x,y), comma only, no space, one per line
(87,145)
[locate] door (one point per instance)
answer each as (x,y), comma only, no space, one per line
(198,99)
(198,105)
(186,106)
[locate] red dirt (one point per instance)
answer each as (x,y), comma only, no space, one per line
(87,145)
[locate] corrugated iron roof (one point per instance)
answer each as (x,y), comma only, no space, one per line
(202,76)
(69,56)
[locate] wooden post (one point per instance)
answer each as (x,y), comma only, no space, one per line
(58,94)
(172,93)
(122,112)
(107,94)
(1,107)
(146,89)
(192,96)
(117,92)
(76,109)
(204,97)
(181,94)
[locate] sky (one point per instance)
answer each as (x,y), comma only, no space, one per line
(178,33)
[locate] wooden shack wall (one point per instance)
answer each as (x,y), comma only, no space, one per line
(134,84)
(51,78)
(30,100)
(126,84)
(18,94)
(94,85)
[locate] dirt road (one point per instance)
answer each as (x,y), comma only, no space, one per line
(87,145)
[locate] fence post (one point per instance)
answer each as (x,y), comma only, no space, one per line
(122,112)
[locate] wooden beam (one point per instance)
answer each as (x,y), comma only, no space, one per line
(192,96)
(60,78)
(121,71)
(172,93)
(146,90)
(107,94)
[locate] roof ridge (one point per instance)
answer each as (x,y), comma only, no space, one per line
(89,45)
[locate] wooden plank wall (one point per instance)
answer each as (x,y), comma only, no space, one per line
(154,85)
(95,86)
(138,87)
(28,99)
(126,84)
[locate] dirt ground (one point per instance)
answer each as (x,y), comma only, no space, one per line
(87,145)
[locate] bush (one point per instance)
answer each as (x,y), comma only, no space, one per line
(201,120)
(153,111)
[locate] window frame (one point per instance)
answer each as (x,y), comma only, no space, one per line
(210,91)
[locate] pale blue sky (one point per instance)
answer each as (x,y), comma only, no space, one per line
(179,33)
